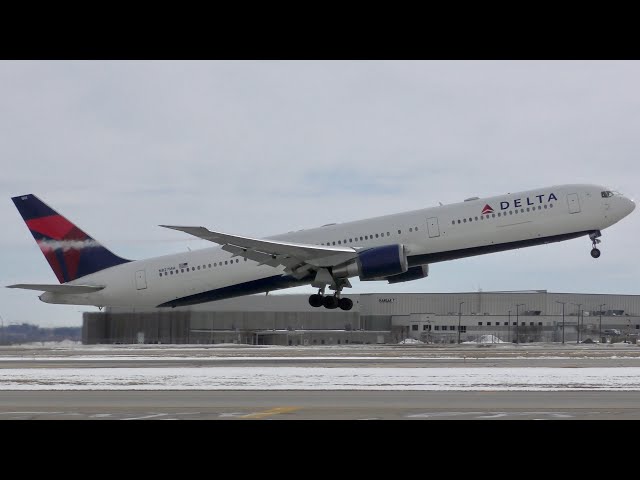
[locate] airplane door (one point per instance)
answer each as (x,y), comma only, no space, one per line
(141,280)
(574,203)
(432,227)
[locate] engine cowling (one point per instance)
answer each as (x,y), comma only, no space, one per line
(414,273)
(375,264)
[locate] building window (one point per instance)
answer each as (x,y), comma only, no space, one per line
(463,329)
(479,324)
(426,327)
(539,324)
(531,324)
(452,327)
(436,327)
(488,324)
(497,324)
(515,324)
(414,328)
(524,323)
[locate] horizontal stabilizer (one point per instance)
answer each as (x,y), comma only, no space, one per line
(55,288)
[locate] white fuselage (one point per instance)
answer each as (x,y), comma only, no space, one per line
(429,235)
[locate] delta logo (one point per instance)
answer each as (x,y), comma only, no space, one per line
(487,209)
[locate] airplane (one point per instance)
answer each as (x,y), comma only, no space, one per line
(393,248)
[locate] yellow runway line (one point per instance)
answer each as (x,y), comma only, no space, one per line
(273,411)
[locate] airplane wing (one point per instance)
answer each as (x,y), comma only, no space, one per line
(57,288)
(293,256)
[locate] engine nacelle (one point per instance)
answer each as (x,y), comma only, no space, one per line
(414,273)
(375,264)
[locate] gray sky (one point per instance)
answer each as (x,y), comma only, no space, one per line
(263,147)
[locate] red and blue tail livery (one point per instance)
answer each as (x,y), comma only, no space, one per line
(71,252)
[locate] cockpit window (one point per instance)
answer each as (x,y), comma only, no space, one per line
(606,194)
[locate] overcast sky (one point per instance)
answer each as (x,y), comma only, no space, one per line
(263,147)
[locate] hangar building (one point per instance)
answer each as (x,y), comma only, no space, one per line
(377,318)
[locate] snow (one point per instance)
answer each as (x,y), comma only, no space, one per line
(486,339)
(322,378)
(410,341)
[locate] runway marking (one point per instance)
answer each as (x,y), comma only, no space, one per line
(273,411)
(28,413)
(147,416)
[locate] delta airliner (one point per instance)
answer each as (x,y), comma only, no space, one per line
(395,248)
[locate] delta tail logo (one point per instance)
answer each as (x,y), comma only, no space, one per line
(487,209)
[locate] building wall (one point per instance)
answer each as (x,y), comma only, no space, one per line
(429,317)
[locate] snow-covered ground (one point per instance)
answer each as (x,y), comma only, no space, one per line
(321,378)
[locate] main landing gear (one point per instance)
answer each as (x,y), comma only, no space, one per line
(330,302)
(595,253)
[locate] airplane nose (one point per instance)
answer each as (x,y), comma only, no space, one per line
(629,206)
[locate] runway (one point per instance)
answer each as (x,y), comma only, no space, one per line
(233,382)
(319,405)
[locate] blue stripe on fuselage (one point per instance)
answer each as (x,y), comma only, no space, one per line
(261,285)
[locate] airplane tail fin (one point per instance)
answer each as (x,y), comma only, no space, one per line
(70,251)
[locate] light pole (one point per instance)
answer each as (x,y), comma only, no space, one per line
(579,305)
(601,305)
(518,323)
(562,319)
(509,327)
(459,315)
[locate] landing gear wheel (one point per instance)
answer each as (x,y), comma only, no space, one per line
(315,300)
(330,302)
(345,303)
(595,253)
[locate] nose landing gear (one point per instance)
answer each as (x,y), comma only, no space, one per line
(595,253)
